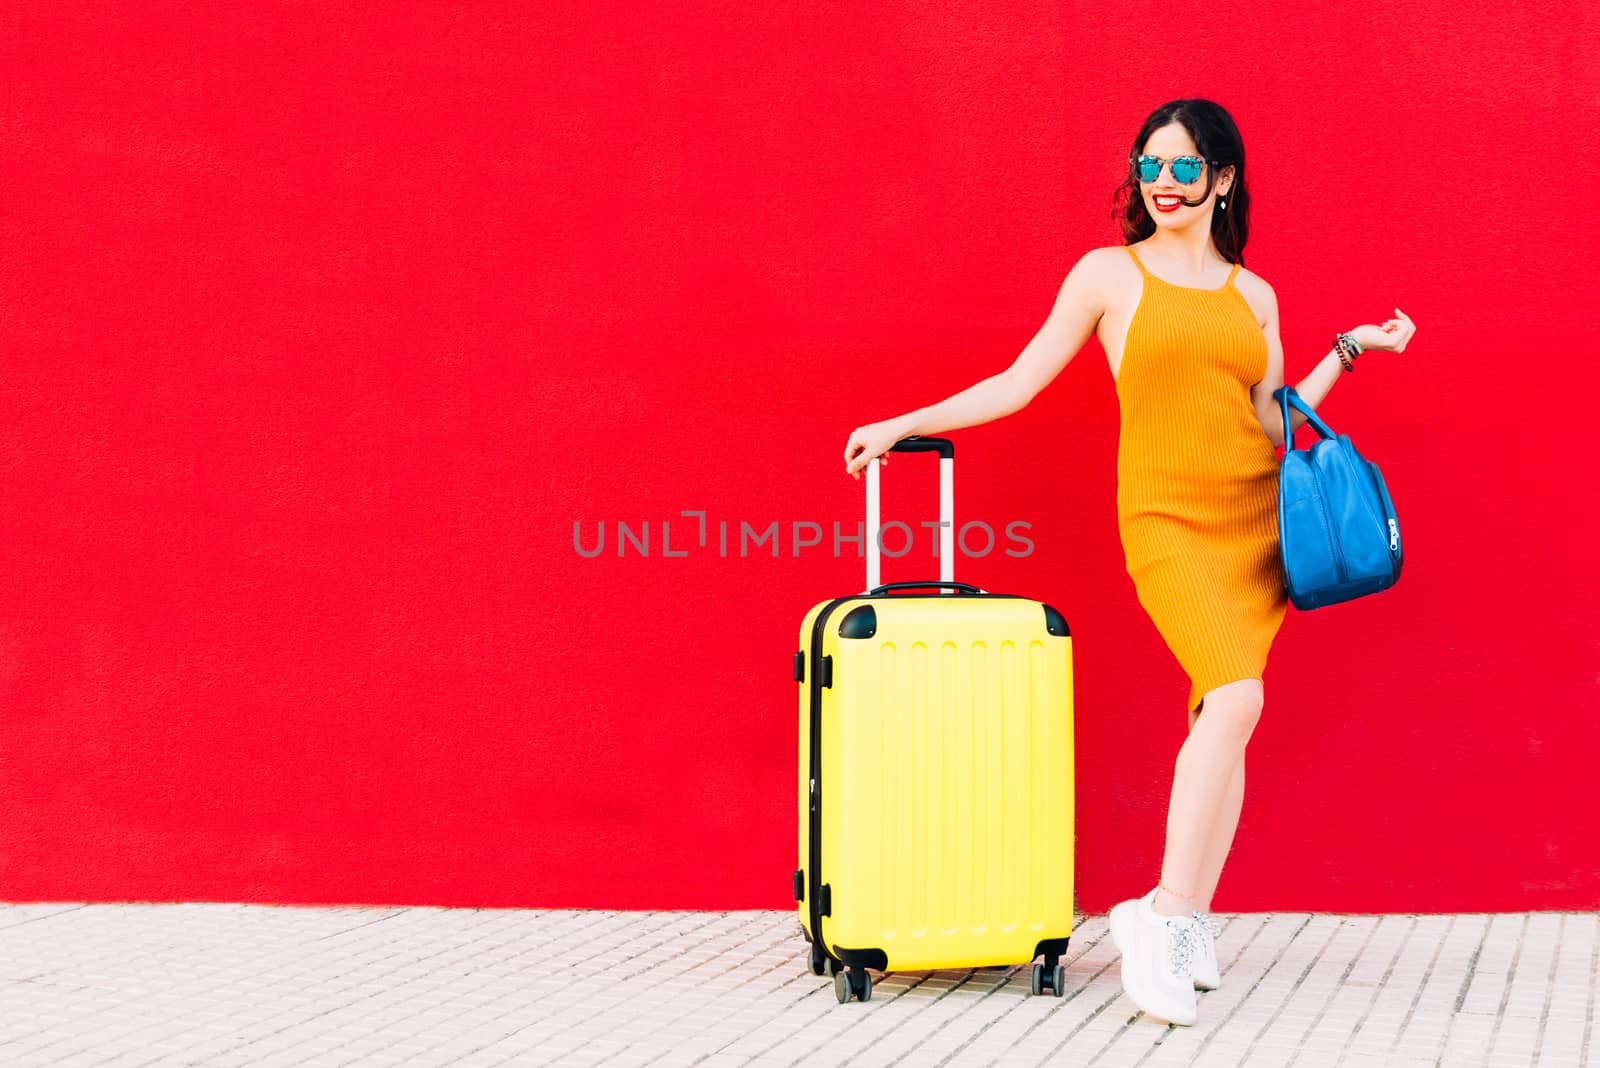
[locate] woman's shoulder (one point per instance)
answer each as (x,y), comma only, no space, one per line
(1096,256)
(1257,293)
(1248,280)
(1106,262)
(1110,253)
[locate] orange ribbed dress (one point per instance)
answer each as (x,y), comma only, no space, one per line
(1197,480)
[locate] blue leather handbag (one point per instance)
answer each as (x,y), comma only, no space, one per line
(1337,529)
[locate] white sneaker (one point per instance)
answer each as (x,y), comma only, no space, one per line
(1157,954)
(1205,952)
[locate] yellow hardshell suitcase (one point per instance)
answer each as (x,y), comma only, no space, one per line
(936,784)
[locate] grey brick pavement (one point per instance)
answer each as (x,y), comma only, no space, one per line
(227,985)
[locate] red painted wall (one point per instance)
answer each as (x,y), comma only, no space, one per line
(321,331)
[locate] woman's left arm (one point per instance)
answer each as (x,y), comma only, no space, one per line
(1314,387)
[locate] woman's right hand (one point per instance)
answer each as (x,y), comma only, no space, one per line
(867,442)
(1390,337)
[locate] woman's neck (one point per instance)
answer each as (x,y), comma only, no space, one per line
(1190,249)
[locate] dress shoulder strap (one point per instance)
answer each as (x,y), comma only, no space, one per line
(1231,275)
(1136,259)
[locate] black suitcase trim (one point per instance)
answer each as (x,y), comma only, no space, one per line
(863,958)
(813,872)
(1051,950)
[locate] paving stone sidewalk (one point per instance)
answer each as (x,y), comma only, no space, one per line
(229,985)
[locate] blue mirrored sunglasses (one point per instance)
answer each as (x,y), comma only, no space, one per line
(1185,169)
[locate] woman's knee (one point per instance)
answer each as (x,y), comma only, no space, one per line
(1235,707)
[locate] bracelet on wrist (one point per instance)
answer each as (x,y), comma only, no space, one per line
(1347,349)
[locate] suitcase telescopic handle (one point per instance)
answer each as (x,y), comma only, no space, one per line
(959,587)
(947,527)
(943,446)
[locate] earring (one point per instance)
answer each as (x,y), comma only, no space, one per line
(1222,203)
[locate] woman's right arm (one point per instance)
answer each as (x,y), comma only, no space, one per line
(1077,310)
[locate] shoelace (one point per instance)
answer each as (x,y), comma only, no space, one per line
(1183,939)
(1212,927)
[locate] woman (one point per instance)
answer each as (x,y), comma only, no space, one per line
(1192,339)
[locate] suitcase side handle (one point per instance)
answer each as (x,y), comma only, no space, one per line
(959,587)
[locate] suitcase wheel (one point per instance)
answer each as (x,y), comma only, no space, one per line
(854,983)
(819,959)
(1053,979)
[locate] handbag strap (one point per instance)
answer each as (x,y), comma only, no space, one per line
(1286,396)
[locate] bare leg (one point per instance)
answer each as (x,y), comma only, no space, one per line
(1210,760)
(1220,840)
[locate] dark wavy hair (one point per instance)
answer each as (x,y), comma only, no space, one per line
(1216,136)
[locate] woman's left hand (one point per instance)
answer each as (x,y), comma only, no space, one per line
(1390,337)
